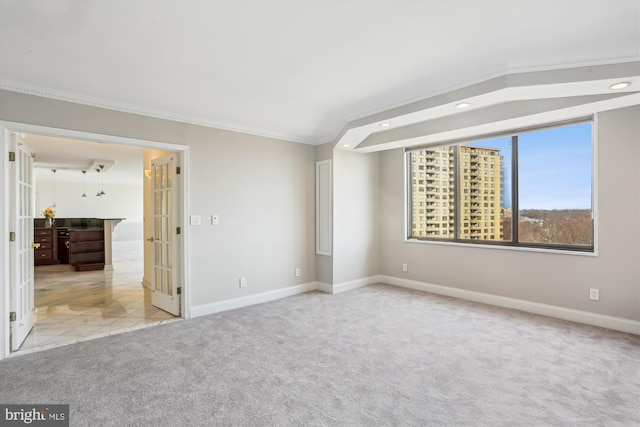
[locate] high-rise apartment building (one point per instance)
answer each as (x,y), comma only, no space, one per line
(463,177)
(432,192)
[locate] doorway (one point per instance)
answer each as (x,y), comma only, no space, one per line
(181,188)
(73,306)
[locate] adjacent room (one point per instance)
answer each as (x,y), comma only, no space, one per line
(346,213)
(87,290)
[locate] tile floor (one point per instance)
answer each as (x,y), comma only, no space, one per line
(76,306)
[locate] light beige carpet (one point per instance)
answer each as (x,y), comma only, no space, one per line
(375,356)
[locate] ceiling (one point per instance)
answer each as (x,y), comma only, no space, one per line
(306,71)
(122,164)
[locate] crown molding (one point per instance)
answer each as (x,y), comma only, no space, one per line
(480,76)
(75,98)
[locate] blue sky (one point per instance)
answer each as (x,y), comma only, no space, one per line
(555,167)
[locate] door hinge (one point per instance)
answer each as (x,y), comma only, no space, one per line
(12,156)
(177,170)
(179,290)
(12,236)
(178,230)
(12,316)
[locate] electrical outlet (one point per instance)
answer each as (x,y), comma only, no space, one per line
(594,294)
(215,219)
(243,282)
(404,267)
(297,272)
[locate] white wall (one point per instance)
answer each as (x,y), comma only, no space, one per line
(356,247)
(556,279)
(263,192)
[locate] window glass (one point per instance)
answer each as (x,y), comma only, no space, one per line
(432,188)
(485,214)
(554,188)
(477,196)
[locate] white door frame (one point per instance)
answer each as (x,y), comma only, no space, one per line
(5,129)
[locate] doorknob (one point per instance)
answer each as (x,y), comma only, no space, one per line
(36,245)
(150,239)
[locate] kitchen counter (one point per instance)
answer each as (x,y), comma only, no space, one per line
(63,227)
(76,223)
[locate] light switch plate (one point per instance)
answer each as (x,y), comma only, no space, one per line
(195,220)
(215,219)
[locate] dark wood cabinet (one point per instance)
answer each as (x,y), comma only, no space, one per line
(79,242)
(86,249)
(47,251)
(63,245)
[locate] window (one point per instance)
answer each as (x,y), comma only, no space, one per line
(543,175)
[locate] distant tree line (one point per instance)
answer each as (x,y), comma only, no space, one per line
(544,214)
(558,226)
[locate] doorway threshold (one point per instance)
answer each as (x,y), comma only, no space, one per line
(75,340)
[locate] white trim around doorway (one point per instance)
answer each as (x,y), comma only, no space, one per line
(8,127)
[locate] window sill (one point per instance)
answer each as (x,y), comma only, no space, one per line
(504,248)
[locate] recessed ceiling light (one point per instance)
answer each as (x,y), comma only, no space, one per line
(620,85)
(462,105)
(385,125)
(346,145)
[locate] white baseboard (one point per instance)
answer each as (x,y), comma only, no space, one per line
(609,322)
(347,286)
(324,287)
(230,304)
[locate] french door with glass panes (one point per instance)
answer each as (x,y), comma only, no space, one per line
(164,285)
(21,274)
